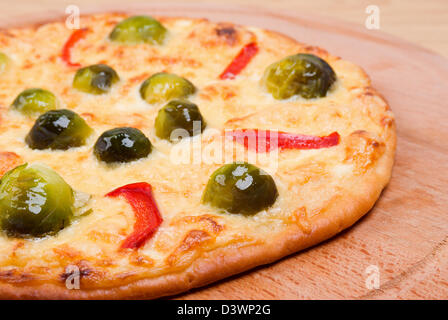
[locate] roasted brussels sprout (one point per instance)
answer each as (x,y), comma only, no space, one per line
(163,87)
(4,61)
(122,145)
(240,188)
(34,201)
(179,114)
(302,74)
(139,29)
(58,129)
(95,79)
(32,102)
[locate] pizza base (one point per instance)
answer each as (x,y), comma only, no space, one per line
(225,262)
(232,259)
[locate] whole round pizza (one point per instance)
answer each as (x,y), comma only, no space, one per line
(141,157)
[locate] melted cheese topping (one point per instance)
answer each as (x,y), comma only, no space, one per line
(307,180)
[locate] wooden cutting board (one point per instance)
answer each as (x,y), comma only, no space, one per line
(405,236)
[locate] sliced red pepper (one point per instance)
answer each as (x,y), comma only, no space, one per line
(266,140)
(240,61)
(66,50)
(147,215)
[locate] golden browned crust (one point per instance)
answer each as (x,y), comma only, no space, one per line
(360,148)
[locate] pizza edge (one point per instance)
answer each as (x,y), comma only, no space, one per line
(230,260)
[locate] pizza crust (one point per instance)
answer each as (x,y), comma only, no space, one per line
(373,159)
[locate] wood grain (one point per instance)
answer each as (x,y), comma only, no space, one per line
(406,234)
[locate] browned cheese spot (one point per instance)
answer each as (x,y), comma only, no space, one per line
(15,276)
(223,35)
(227,32)
(87,273)
(206,221)
(300,217)
(140,260)
(224,92)
(8,161)
(363,150)
(193,241)
(65,251)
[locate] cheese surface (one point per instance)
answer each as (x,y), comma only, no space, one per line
(308,181)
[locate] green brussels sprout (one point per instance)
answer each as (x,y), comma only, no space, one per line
(34,201)
(302,74)
(58,129)
(4,61)
(32,102)
(122,145)
(139,29)
(95,79)
(179,114)
(240,188)
(163,87)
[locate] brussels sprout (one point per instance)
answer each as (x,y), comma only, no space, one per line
(32,102)
(34,201)
(58,129)
(163,87)
(122,145)
(95,79)
(302,74)
(179,114)
(4,61)
(139,29)
(240,188)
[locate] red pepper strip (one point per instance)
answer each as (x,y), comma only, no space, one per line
(240,61)
(147,215)
(266,141)
(66,50)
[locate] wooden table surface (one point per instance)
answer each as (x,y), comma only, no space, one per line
(423,22)
(405,237)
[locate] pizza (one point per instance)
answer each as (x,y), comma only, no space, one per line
(142,157)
